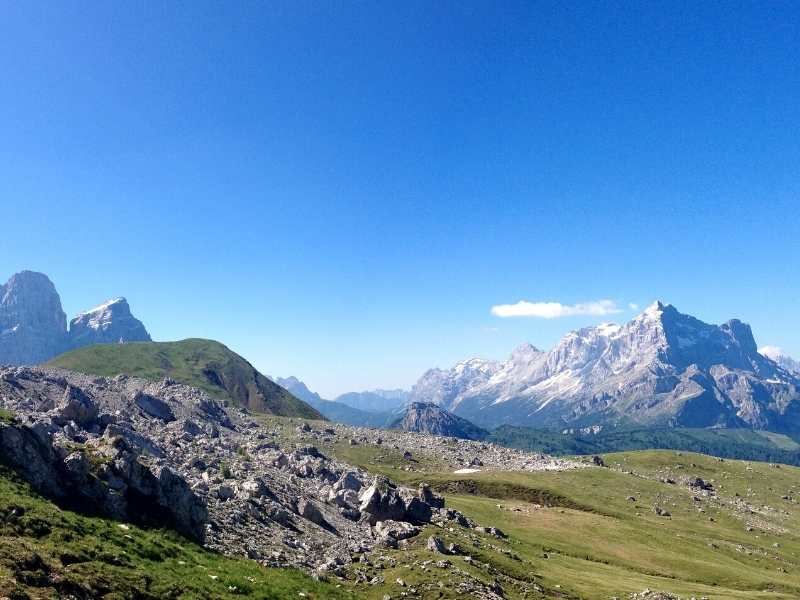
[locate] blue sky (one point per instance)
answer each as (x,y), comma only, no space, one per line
(343,190)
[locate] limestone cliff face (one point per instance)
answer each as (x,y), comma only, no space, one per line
(33,325)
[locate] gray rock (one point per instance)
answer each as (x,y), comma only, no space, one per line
(225,492)
(381,501)
(76,406)
(33,326)
(308,510)
(435,544)
(153,406)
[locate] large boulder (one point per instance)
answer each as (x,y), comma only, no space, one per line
(308,510)
(155,407)
(76,406)
(381,501)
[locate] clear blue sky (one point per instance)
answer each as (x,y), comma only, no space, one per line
(343,190)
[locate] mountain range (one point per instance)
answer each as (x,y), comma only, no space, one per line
(342,409)
(663,368)
(33,326)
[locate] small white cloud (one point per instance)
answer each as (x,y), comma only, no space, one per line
(633,306)
(491,329)
(555,310)
(771,351)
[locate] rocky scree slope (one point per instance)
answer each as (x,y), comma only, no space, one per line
(33,325)
(661,368)
(205,364)
(167,454)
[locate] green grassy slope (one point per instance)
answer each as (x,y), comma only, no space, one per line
(46,552)
(205,364)
(728,443)
(576,534)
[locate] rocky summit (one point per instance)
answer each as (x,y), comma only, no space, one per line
(111,322)
(32,322)
(430,418)
(33,327)
(661,368)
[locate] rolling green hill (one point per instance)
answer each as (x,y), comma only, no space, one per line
(204,364)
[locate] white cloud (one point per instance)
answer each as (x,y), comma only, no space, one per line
(633,306)
(771,351)
(555,310)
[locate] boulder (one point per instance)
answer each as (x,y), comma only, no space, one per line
(381,501)
(396,529)
(155,407)
(76,406)
(348,481)
(308,510)
(427,495)
(435,544)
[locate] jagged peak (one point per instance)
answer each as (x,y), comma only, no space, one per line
(525,349)
(119,300)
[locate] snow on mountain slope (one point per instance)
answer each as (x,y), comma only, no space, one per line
(662,367)
(781,358)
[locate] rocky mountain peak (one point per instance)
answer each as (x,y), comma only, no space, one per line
(525,352)
(663,366)
(32,322)
(741,334)
(33,326)
(110,322)
(426,417)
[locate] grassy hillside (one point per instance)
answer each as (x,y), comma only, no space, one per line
(728,443)
(593,533)
(46,552)
(205,364)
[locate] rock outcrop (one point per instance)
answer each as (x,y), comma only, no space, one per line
(423,417)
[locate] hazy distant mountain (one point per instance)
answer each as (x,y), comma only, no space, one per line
(661,368)
(334,410)
(429,418)
(298,389)
(375,400)
(781,358)
(33,326)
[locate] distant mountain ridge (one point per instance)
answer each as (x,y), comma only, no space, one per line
(33,326)
(663,368)
(375,400)
(336,410)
